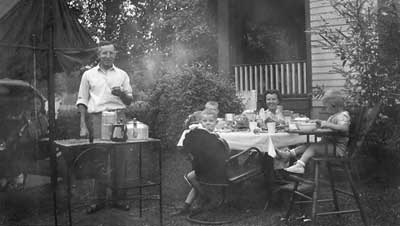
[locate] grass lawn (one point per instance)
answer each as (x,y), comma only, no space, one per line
(33,206)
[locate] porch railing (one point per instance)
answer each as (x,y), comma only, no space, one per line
(288,77)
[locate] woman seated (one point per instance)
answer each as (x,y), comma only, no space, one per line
(272,110)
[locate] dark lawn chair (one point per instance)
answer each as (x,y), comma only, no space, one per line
(214,166)
(23,123)
(362,121)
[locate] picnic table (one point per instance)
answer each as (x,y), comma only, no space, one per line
(265,142)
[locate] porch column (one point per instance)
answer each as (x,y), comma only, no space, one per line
(308,51)
(223,38)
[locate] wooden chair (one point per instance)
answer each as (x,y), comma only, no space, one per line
(214,166)
(361,124)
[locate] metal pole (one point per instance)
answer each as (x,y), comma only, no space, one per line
(50,93)
(34,43)
(308,75)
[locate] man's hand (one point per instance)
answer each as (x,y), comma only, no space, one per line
(126,99)
(84,132)
(116,91)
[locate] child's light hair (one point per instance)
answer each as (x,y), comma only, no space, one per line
(213,104)
(335,97)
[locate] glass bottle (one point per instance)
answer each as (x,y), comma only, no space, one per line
(135,130)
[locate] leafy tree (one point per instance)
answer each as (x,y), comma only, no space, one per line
(368,46)
(169,49)
(151,32)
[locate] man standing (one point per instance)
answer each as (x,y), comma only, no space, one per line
(103,88)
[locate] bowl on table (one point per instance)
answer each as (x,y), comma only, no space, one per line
(241,122)
(301,119)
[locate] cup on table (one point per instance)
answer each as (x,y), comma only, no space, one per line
(251,116)
(287,119)
(271,127)
(221,124)
(252,125)
(292,126)
(229,117)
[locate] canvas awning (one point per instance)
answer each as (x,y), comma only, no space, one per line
(31,31)
(26,23)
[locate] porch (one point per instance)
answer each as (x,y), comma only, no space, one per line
(289,77)
(262,44)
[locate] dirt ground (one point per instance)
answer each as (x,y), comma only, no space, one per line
(245,205)
(381,207)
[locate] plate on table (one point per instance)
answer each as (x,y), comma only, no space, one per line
(300,130)
(277,127)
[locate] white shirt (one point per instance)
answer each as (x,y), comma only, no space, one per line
(277,116)
(95,89)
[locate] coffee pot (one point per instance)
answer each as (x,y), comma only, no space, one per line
(119,132)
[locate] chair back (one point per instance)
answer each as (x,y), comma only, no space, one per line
(362,119)
(210,154)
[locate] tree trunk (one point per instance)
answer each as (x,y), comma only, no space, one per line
(112,11)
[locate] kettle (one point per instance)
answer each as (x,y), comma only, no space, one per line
(119,132)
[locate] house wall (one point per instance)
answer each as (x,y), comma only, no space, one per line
(258,31)
(272,31)
(323,60)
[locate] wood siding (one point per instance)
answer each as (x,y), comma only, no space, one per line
(323,60)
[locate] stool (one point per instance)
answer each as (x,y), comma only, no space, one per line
(331,162)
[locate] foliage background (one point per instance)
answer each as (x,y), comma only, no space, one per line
(179,94)
(169,50)
(368,46)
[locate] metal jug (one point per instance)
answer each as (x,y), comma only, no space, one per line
(119,132)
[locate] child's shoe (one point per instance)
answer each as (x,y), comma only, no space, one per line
(296,168)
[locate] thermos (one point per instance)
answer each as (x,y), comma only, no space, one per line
(108,119)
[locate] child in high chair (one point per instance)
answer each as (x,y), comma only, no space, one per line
(208,121)
(339,120)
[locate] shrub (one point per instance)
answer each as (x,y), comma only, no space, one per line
(176,95)
(368,48)
(68,123)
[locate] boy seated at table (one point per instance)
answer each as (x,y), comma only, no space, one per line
(339,120)
(208,121)
(193,119)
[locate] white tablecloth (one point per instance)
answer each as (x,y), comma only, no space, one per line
(266,142)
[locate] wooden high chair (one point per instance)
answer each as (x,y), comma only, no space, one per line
(361,124)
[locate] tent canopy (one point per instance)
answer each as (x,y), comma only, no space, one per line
(27,23)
